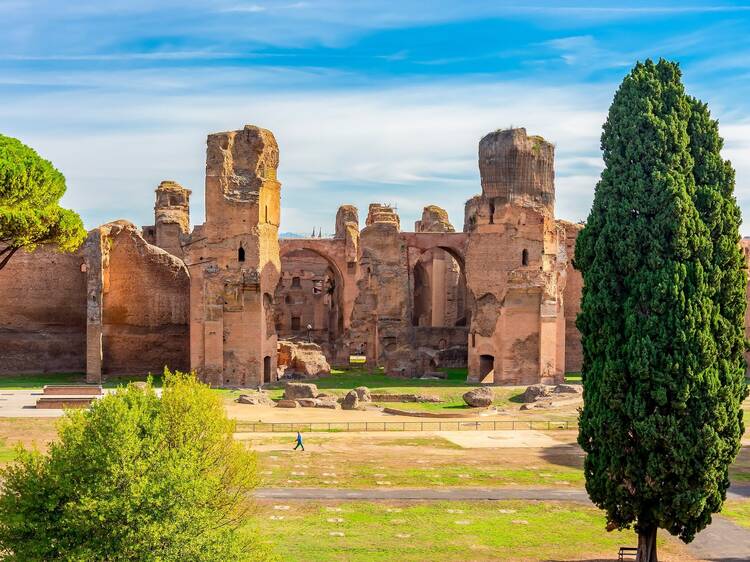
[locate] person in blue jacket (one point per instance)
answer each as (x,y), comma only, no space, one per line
(299,442)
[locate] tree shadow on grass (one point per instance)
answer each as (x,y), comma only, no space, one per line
(564,455)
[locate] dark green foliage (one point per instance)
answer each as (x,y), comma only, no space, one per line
(662,314)
(30,189)
(134,478)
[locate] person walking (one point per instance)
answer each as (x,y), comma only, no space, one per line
(299,442)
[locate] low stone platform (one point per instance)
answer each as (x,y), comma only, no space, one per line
(60,402)
(72,390)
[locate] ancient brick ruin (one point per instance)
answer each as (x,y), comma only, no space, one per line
(499,297)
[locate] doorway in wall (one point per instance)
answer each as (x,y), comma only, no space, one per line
(267,369)
(486,369)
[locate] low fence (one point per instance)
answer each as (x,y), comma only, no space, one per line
(484,425)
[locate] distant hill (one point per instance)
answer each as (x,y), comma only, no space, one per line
(291,235)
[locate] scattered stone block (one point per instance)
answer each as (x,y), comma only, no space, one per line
(60,402)
(363,393)
(297,390)
(481,397)
(568,389)
(72,390)
(350,401)
(258,399)
(535,392)
(303,359)
(286,404)
(329,404)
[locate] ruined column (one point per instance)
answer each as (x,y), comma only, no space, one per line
(234,262)
(93,266)
(171,217)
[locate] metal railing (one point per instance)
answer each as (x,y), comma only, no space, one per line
(490,425)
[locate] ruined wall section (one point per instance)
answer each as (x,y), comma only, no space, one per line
(745,244)
(380,316)
(515,264)
(572,300)
(43,313)
(144,304)
(234,261)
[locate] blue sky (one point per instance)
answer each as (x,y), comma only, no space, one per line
(370,101)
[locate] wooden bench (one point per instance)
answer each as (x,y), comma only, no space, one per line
(59,402)
(627,551)
(72,390)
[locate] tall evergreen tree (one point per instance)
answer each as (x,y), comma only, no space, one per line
(662,314)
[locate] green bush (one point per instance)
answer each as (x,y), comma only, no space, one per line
(136,477)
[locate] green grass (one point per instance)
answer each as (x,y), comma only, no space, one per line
(440,531)
(37,381)
(288,468)
(738,511)
(33,381)
(572,377)
(430,442)
(739,471)
(7,454)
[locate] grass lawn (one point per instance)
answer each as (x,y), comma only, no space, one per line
(739,472)
(366,461)
(37,381)
(444,531)
(7,453)
(738,511)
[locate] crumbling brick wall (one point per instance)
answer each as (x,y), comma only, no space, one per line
(145,305)
(43,313)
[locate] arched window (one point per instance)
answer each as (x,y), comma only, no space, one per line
(525,257)
(241,254)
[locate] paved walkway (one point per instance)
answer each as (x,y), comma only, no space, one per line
(722,541)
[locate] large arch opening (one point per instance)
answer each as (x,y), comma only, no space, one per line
(309,299)
(438,289)
(439,308)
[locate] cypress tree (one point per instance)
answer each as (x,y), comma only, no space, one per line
(662,314)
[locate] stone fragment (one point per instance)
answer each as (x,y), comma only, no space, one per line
(257,399)
(481,397)
(302,359)
(363,394)
(286,404)
(297,390)
(534,392)
(307,402)
(329,404)
(350,401)
(568,389)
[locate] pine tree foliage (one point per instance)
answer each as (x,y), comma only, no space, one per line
(30,214)
(662,313)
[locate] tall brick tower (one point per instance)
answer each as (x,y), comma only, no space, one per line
(515,264)
(234,261)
